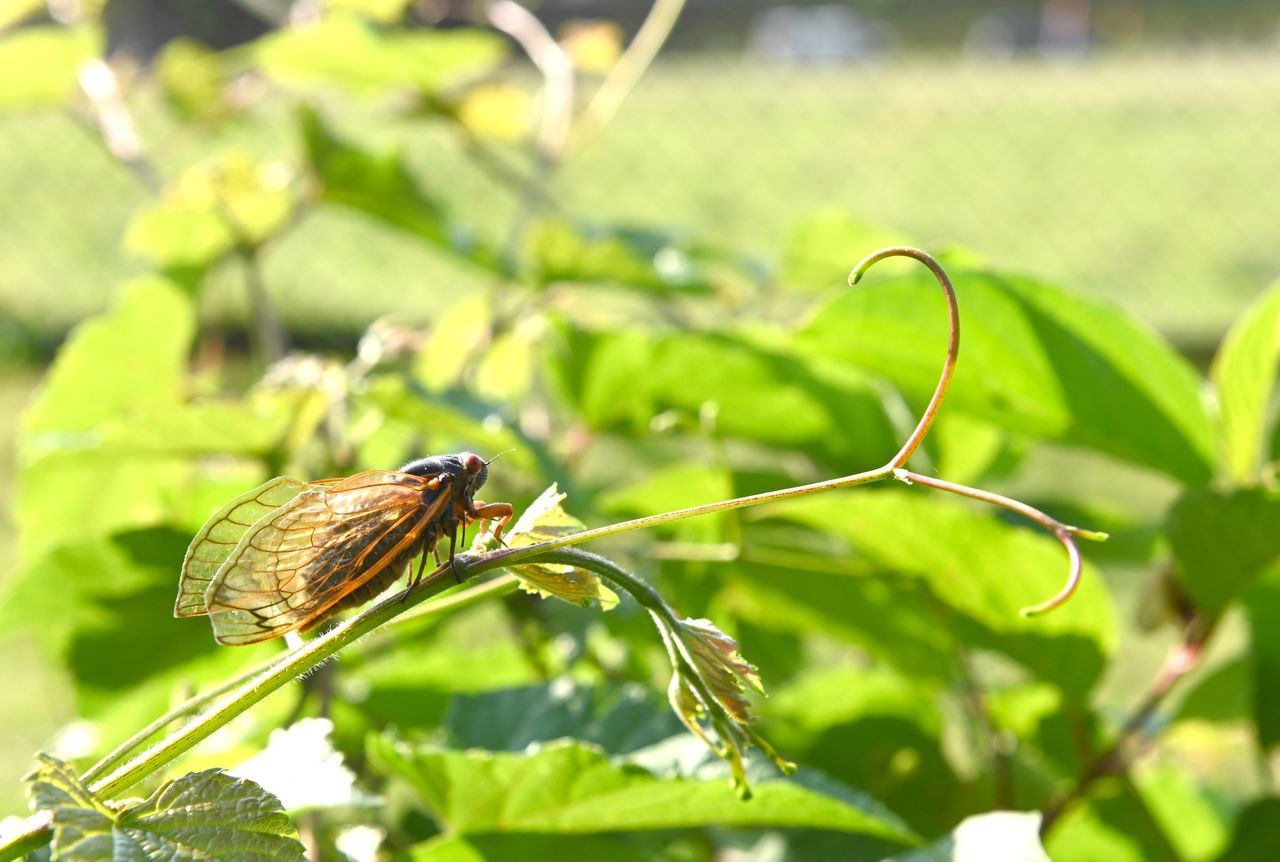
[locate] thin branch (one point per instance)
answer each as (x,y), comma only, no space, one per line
(991,735)
(117,131)
(557,106)
(627,72)
(554,65)
(272,342)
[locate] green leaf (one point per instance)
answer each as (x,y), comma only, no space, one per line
(115,368)
(130,359)
(894,619)
(1257,833)
(386,11)
(39,65)
(14,11)
(209,211)
(1223,541)
(747,385)
(1034,359)
(471,651)
(193,80)
(381,187)
(981,567)
(822,248)
(1224,694)
(570,788)
(526,847)
(1262,610)
(344,51)
(875,729)
(1183,808)
(556,251)
(112,606)
(203,815)
(1001,836)
(1244,372)
(543,521)
(620,719)
(458,334)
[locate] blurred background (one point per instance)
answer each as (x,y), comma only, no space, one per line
(1126,150)
(1122,148)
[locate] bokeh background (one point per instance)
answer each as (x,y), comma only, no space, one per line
(1124,149)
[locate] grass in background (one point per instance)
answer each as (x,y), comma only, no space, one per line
(1135,178)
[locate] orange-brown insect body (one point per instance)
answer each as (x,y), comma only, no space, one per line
(466,476)
(288,555)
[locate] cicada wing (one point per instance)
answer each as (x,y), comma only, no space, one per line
(292,566)
(219,537)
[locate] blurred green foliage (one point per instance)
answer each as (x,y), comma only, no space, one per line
(643,371)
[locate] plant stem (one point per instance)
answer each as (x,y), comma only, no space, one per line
(1181,659)
(627,72)
(187,707)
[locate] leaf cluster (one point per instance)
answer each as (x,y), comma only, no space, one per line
(639,371)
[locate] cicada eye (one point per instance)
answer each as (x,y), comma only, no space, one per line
(473,462)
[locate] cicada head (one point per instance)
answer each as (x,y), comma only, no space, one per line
(467,471)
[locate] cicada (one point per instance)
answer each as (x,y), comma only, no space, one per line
(288,555)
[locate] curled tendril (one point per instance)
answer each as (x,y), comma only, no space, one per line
(1064,533)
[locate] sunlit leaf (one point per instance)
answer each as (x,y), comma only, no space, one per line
(193,79)
(1244,372)
(343,51)
(387,11)
(573,789)
(14,11)
(822,248)
(593,46)
(203,815)
(129,359)
(124,364)
(543,521)
(210,210)
(1190,816)
(500,112)
(39,65)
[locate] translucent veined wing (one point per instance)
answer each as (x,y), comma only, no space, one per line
(219,537)
(293,565)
